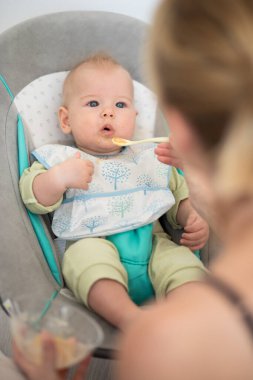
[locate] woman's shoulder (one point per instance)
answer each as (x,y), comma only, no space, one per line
(193,334)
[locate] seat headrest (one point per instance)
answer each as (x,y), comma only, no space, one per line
(39,101)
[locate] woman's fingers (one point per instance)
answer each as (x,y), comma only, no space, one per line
(21,360)
(168,155)
(82,368)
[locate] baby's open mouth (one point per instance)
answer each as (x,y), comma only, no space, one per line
(107,130)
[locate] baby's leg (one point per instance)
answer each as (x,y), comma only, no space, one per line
(172,265)
(111,300)
(93,271)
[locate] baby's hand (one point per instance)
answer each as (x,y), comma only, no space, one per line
(167,154)
(76,173)
(196,232)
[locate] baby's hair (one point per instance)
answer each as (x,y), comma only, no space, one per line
(100,59)
(202,64)
(97,60)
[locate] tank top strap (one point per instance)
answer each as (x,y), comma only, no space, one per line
(234,298)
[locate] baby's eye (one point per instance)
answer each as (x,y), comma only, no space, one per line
(93,103)
(121,104)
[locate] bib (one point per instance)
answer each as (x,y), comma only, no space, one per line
(129,189)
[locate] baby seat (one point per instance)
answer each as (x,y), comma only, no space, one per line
(30,53)
(35,56)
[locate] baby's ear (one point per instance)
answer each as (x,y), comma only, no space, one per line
(63,115)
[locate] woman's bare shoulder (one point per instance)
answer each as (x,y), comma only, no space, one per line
(195,334)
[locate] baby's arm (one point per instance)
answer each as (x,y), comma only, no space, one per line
(26,190)
(182,214)
(74,172)
(42,189)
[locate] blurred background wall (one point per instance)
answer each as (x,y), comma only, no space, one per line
(13,12)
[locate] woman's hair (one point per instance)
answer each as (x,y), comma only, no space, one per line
(202,63)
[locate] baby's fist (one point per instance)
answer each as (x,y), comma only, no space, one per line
(196,232)
(77,172)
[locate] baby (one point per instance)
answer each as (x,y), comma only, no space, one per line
(107,200)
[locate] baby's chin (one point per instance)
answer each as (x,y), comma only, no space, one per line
(108,149)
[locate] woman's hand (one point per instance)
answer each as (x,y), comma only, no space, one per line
(167,154)
(46,370)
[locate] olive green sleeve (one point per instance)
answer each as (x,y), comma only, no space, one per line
(26,190)
(180,191)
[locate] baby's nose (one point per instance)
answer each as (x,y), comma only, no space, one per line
(108,113)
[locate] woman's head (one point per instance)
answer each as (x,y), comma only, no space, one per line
(202,66)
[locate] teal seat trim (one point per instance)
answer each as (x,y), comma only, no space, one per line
(180,171)
(23,163)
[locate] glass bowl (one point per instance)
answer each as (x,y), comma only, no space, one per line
(74,333)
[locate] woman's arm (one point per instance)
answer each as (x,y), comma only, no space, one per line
(193,335)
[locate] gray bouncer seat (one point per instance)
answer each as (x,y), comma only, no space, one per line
(32,50)
(29,54)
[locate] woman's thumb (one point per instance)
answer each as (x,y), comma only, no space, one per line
(49,351)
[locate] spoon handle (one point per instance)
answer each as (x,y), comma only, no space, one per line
(158,139)
(152,139)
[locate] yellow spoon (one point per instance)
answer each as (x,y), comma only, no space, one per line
(123,142)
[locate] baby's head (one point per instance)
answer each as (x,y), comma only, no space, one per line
(98,104)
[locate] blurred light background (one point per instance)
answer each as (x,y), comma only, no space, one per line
(13,12)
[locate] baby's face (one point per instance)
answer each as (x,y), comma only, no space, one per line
(99,107)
